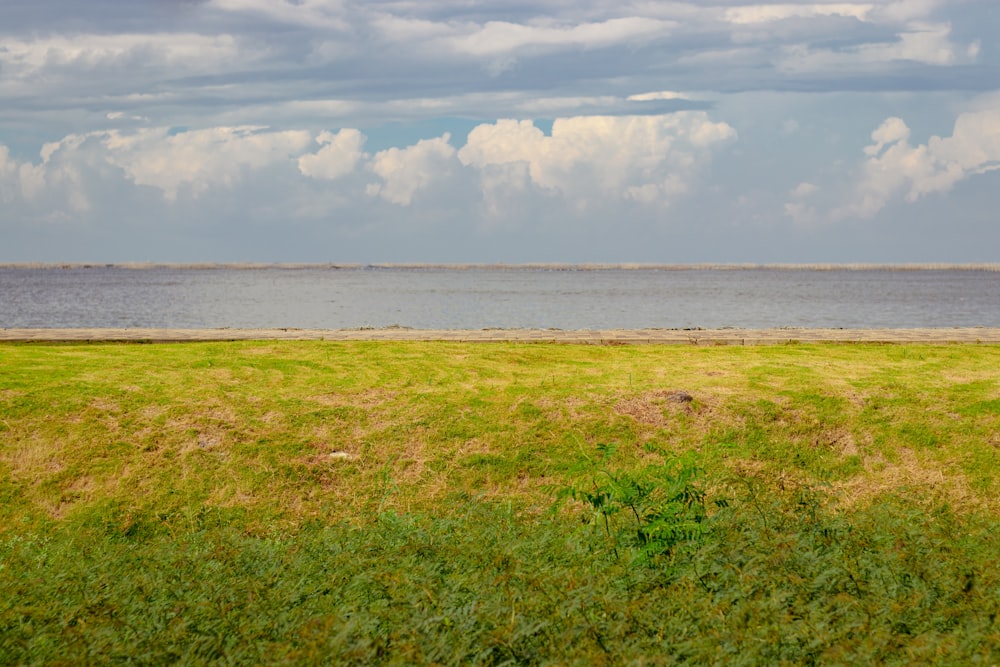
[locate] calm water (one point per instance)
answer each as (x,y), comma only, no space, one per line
(443,298)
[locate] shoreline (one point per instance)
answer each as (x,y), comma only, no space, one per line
(973,335)
(502,266)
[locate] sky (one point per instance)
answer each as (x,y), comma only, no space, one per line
(466,131)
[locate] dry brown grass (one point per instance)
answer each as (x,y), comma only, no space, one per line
(923,479)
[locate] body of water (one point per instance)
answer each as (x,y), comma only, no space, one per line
(327,297)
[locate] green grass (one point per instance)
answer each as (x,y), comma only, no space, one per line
(269,503)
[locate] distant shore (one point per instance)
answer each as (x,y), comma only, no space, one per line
(982,335)
(502,266)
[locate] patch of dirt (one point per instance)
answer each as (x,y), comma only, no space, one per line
(151,412)
(369,398)
(929,478)
(80,489)
(747,467)
(206,440)
(569,407)
(411,465)
(196,430)
(271,417)
(968,377)
(785,480)
(840,440)
(33,459)
(473,446)
(209,441)
(855,399)
(658,408)
(221,416)
(104,405)
(226,496)
(325,452)
(225,415)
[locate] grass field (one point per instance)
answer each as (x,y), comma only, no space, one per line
(311,502)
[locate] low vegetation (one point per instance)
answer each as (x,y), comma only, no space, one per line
(303,502)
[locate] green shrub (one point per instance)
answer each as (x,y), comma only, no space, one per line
(647,511)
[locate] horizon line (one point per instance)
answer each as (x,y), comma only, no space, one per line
(551,266)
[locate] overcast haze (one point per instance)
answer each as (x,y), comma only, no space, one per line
(471,131)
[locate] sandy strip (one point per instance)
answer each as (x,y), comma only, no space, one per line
(595,337)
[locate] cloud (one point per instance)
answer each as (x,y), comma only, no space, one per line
(322,63)
(199,159)
(326,111)
(585,161)
(339,155)
(498,37)
(903,11)
(322,14)
(650,160)
(28,59)
(9,181)
(894,167)
(924,43)
(659,95)
(588,158)
(122,116)
(799,209)
(404,171)
(56,187)
(498,44)
(194,161)
(803,190)
(410,30)
(766,13)
(899,12)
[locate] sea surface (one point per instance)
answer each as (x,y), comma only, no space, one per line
(441,297)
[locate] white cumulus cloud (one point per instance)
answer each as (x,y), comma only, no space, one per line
(645,158)
(198,159)
(799,209)
(895,167)
(54,187)
(339,155)
(404,171)
(9,176)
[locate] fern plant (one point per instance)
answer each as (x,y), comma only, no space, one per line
(646,512)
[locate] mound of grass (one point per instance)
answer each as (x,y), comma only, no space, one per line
(266,503)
